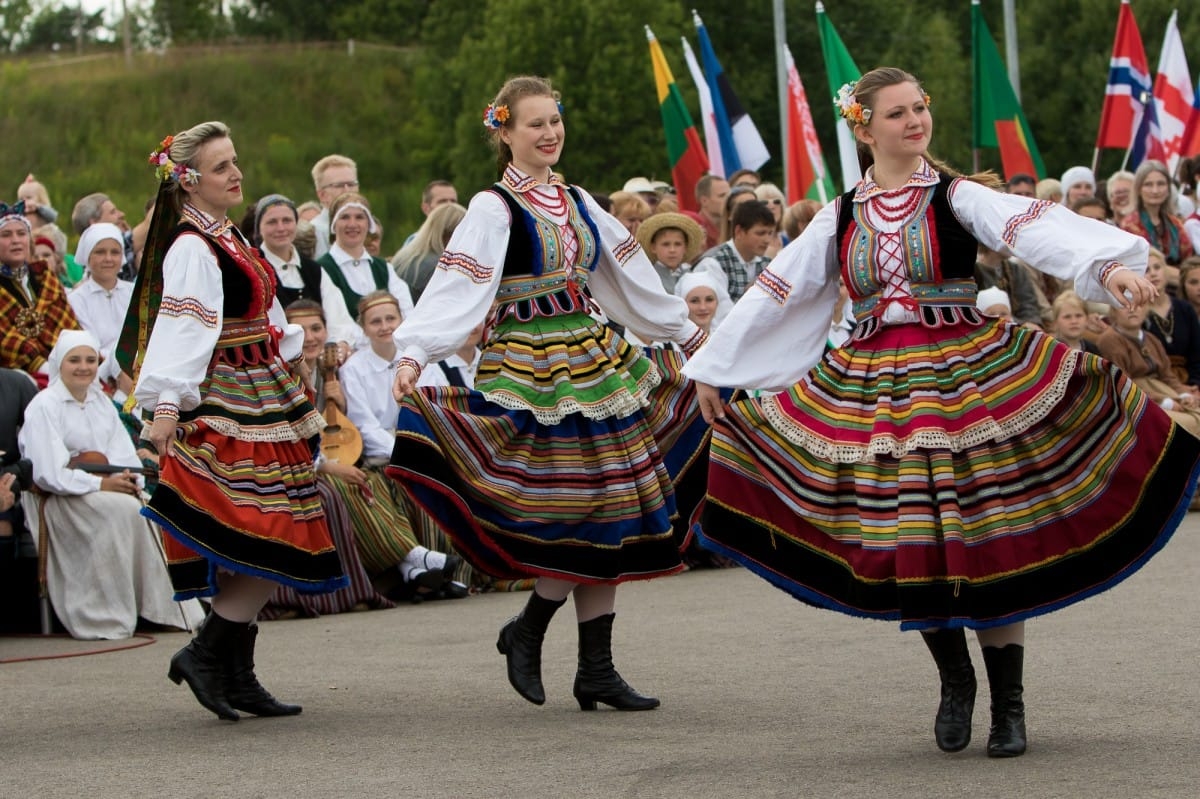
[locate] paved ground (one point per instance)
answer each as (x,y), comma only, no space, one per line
(762,697)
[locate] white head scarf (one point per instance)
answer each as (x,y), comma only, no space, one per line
(365,210)
(993,296)
(67,341)
(703,277)
(93,235)
(1077,174)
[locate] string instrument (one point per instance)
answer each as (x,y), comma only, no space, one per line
(95,462)
(340,442)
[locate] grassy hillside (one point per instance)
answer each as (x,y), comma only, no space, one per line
(89,126)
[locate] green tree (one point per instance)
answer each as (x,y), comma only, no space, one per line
(187,21)
(13,14)
(57,27)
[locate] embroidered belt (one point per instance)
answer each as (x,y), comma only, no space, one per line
(528,297)
(948,292)
(247,341)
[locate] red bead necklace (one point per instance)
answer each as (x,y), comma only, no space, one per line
(910,199)
(553,207)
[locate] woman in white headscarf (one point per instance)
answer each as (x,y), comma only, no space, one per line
(101,299)
(105,567)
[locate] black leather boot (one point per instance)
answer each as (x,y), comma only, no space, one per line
(242,687)
(1005,667)
(521,643)
(597,680)
(202,661)
(952,726)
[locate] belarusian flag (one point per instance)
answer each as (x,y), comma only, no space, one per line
(808,176)
(997,117)
(841,69)
(684,150)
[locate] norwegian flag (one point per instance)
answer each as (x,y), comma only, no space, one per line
(1128,87)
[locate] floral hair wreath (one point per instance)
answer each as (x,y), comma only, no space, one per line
(496,115)
(851,109)
(166,169)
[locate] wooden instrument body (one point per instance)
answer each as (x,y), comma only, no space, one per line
(340,442)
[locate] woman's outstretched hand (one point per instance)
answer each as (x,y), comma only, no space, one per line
(711,406)
(405,383)
(1131,290)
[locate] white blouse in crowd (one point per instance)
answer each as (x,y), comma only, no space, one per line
(367,385)
(188,325)
(361,279)
(772,338)
(435,376)
(102,312)
(58,426)
(459,297)
(1192,226)
(338,318)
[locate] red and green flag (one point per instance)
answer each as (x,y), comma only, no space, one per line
(684,149)
(997,117)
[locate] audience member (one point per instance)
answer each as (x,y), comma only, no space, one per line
(1070,322)
(673,242)
(737,196)
(33,303)
(17,390)
(308,210)
(1092,207)
(1155,219)
(1049,190)
(1119,191)
(992,269)
(745,177)
(1189,282)
(333,176)
(1022,185)
(50,245)
(738,262)
(101,300)
(994,302)
(416,261)
(703,293)
(711,192)
(353,270)
(1174,322)
(97,207)
(38,209)
(104,566)
(630,209)
(645,189)
(797,217)
(770,194)
(1078,183)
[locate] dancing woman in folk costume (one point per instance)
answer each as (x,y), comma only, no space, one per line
(549,467)
(941,468)
(210,351)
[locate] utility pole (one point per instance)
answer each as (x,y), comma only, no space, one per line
(1010,46)
(126,38)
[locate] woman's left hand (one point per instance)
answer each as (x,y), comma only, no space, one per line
(711,406)
(1130,289)
(7,498)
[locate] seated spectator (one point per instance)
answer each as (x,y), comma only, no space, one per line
(1022,185)
(1189,282)
(1078,183)
(630,209)
(703,293)
(673,242)
(333,176)
(101,301)
(17,390)
(1070,322)
(366,380)
(1091,207)
(1141,356)
(992,269)
(797,217)
(306,239)
(374,240)
(97,207)
(1155,219)
(307,211)
(770,194)
(457,370)
(353,270)
(298,276)
(50,245)
(994,302)
(738,262)
(1119,191)
(33,303)
(1174,322)
(38,209)
(416,261)
(105,566)
(1050,190)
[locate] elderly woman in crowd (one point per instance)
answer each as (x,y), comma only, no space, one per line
(104,565)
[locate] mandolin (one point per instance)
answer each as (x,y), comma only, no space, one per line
(340,442)
(94,462)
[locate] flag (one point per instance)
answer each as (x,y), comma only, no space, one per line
(712,142)
(1128,85)
(997,117)
(841,69)
(808,176)
(1173,94)
(684,150)
(1191,138)
(741,145)
(1147,141)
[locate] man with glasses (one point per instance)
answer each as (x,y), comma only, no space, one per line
(333,176)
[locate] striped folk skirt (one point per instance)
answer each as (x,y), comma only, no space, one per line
(971,476)
(239,491)
(553,467)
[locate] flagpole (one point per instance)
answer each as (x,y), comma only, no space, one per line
(782,80)
(1010,47)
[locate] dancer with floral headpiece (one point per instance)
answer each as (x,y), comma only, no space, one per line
(550,467)
(213,356)
(941,468)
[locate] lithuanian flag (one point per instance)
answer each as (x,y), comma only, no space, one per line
(684,150)
(998,120)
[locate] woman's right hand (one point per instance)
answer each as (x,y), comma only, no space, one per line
(406,382)
(123,483)
(711,406)
(351,474)
(162,435)
(7,497)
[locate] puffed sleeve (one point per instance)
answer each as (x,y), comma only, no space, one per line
(41,442)
(460,293)
(187,328)
(777,330)
(1049,237)
(630,291)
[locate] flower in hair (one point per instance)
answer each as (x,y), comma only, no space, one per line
(849,106)
(495,115)
(560,106)
(166,169)
(182,173)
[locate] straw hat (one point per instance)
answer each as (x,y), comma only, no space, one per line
(691,231)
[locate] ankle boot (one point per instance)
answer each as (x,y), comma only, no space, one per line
(521,643)
(1005,666)
(201,663)
(242,687)
(952,726)
(597,680)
